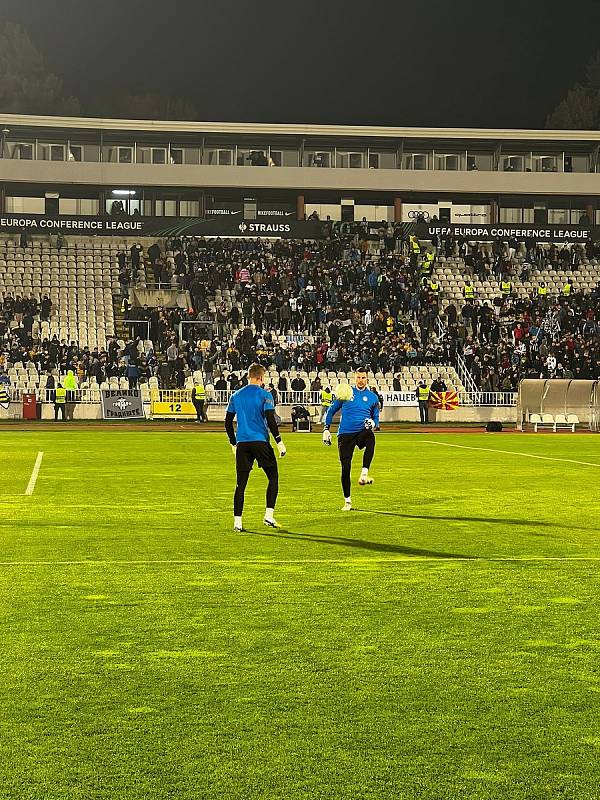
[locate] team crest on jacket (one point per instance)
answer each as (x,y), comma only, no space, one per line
(365,398)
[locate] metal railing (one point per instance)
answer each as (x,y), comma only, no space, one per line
(476,398)
(222,397)
(461,368)
(496,399)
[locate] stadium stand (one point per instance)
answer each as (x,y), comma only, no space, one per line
(311,312)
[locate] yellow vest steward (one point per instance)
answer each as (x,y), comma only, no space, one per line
(430,257)
(505,287)
(542,290)
(200,392)
(567,289)
(469,291)
(423,392)
(326,399)
(435,287)
(61,396)
(414,243)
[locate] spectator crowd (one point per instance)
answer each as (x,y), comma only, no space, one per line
(328,305)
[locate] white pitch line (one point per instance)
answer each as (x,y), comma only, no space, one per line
(35,473)
(335,562)
(511,453)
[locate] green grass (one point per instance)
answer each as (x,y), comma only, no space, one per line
(442,642)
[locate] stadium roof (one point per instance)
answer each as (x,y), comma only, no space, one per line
(295,129)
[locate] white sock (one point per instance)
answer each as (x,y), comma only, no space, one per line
(348,500)
(364,472)
(237,522)
(269,513)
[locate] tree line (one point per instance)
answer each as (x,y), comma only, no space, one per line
(28,87)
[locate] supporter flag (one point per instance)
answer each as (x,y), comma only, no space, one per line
(4,396)
(445,401)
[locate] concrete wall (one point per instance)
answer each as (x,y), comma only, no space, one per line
(481,415)
(306,178)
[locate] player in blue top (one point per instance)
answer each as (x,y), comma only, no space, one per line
(360,417)
(255,411)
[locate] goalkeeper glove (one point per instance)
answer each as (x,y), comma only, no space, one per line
(281,448)
(327,438)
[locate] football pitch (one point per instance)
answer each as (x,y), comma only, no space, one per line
(441,641)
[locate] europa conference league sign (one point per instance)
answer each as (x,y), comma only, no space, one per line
(482,233)
(233,225)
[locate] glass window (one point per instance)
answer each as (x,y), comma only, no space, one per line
(218,156)
(189,208)
(476,161)
(253,157)
(317,158)
(191,155)
(290,158)
(78,206)
(75,152)
(91,152)
(26,205)
(276,157)
(547,163)
(142,155)
(20,150)
(577,163)
(512,163)
(125,155)
(558,216)
(349,160)
(576,215)
(177,155)
(415,160)
(159,155)
(51,152)
(511,215)
(382,160)
(447,161)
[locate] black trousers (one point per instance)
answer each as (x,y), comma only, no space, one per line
(424,411)
(246,453)
(364,440)
(199,406)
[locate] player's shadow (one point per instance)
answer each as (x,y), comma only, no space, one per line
(495,520)
(362,544)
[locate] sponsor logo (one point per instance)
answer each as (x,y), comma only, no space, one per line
(222,211)
(265,227)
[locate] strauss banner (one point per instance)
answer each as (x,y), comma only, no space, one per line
(163,227)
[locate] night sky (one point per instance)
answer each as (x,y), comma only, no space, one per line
(459,63)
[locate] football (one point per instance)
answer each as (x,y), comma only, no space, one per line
(369,424)
(344,392)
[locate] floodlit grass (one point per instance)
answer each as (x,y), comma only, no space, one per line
(441,642)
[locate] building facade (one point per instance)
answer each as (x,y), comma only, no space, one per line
(96,167)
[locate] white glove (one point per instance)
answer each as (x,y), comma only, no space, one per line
(234,450)
(281,448)
(327,438)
